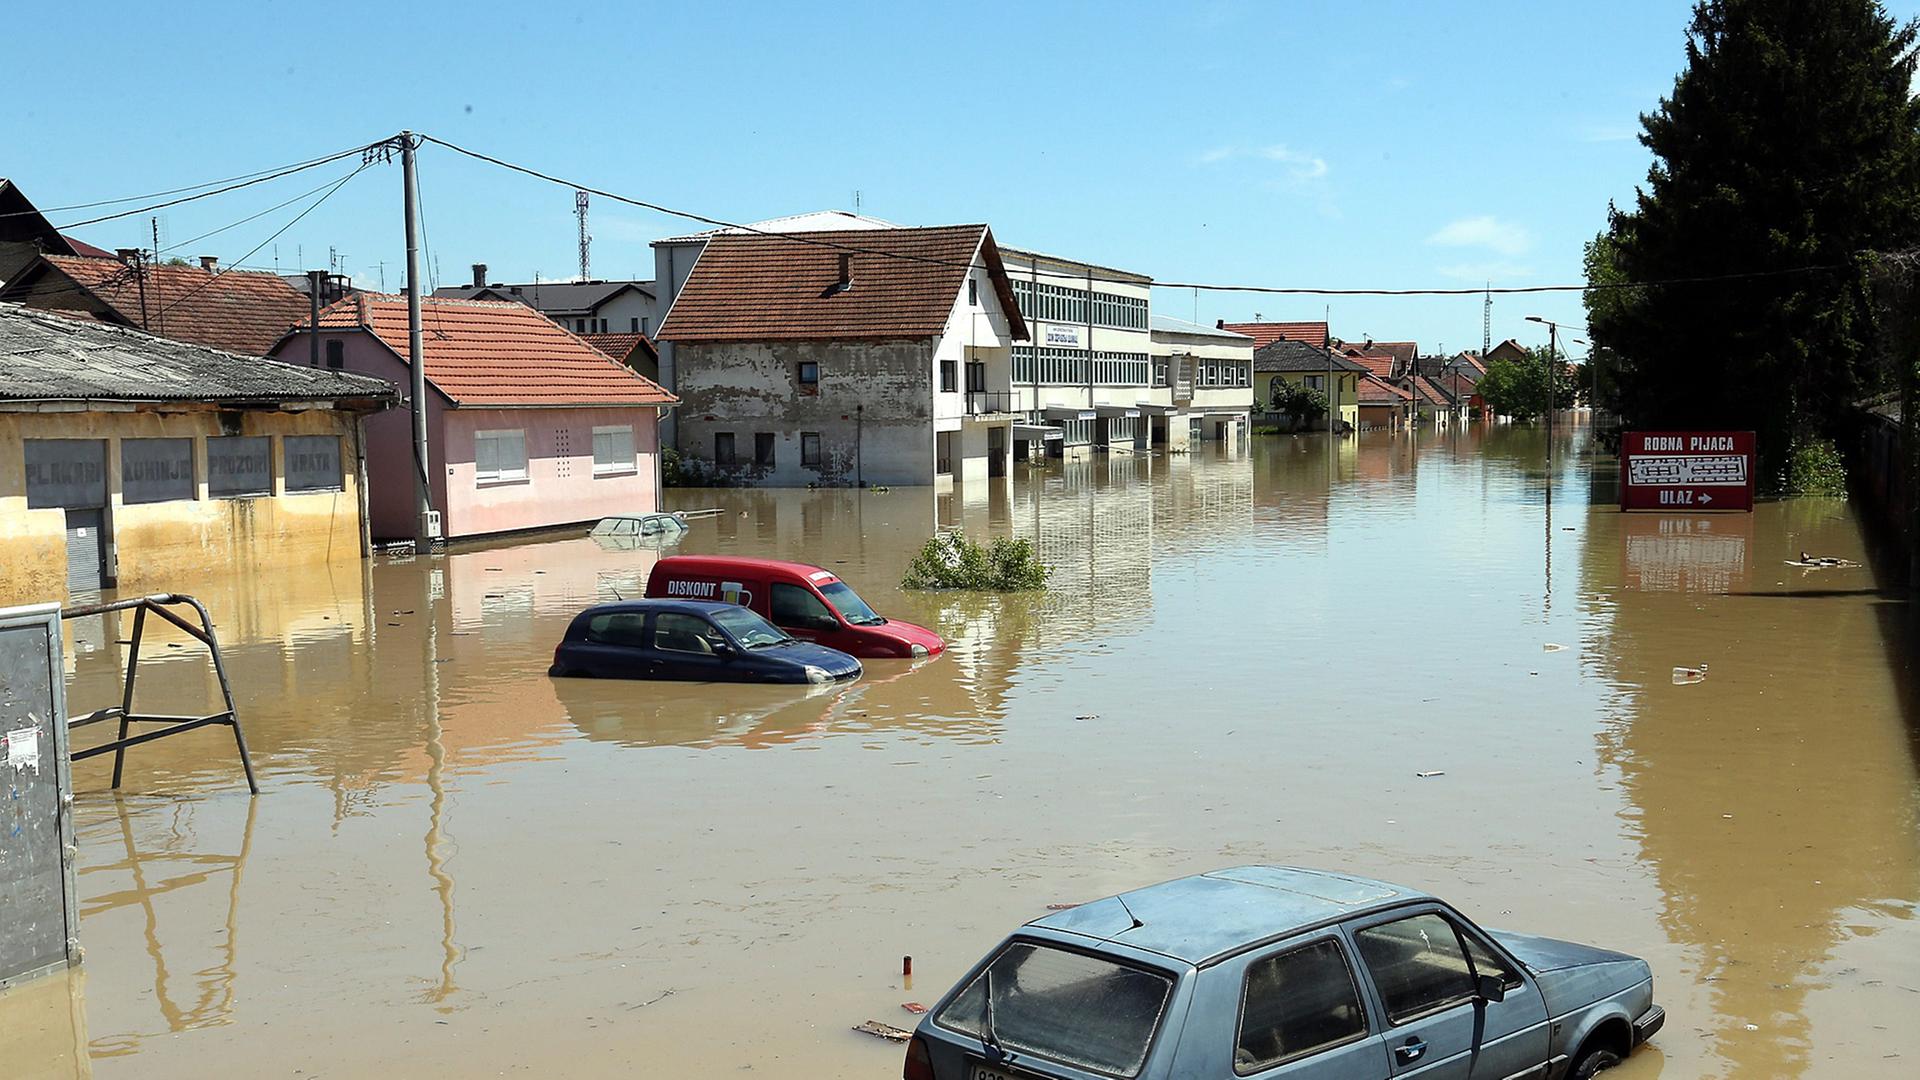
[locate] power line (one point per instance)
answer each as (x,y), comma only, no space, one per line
(244,220)
(337,185)
(261,179)
(179,190)
(817,241)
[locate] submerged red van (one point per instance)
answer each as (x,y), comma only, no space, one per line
(810,603)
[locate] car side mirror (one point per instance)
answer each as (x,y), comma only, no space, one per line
(723,650)
(1490,988)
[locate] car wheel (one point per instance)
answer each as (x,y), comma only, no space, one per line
(1595,1060)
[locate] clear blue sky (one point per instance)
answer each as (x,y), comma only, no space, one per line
(1330,144)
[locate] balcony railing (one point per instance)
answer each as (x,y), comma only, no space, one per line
(987,402)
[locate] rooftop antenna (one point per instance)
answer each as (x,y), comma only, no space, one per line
(586,241)
(856,200)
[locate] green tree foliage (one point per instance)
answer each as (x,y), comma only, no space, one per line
(951,561)
(1518,388)
(1298,400)
(1790,141)
(1816,468)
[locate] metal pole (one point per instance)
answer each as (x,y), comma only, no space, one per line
(314,279)
(1553,353)
(416,349)
(126,699)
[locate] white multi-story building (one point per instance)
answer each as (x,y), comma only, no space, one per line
(1080,381)
(1202,383)
(1103,372)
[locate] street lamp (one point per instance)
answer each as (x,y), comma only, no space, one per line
(1553,361)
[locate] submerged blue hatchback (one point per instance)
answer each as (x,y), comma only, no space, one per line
(695,641)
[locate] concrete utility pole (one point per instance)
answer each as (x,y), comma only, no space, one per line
(416,347)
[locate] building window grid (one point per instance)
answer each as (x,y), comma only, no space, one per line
(1069,367)
(1062,303)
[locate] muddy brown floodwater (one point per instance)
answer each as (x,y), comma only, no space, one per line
(460,867)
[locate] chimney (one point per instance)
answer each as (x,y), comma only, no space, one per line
(1219,324)
(479,275)
(846,278)
(210,263)
(130,256)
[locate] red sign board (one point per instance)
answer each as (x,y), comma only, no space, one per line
(1686,470)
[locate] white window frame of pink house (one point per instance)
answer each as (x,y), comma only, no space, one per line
(498,475)
(615,466)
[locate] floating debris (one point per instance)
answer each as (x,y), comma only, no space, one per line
(655,1000)
(883,1031)
(913,1007)
(1552,646)
(1685,676)
(1822,562)
(1083,717)
(1061,907)
(1431,773)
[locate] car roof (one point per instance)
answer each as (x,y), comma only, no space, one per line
(724,564)
(703,607)
(1207,917)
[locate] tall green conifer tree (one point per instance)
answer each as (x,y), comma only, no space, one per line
(1791,140)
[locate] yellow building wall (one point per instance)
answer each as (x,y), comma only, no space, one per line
(156,543)
(1349,390)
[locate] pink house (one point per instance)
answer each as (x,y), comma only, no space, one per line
(528,427)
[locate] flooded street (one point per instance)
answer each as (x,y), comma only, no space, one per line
(460,867)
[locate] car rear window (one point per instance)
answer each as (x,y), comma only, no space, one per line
(1086,1011)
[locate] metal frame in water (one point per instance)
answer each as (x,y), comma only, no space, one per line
(158,604)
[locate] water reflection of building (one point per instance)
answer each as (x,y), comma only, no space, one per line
(1775,801)
(1091,522)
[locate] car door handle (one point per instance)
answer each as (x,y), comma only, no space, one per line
(1413,1050)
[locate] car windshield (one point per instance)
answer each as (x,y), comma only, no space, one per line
(852,608)
(749,629)
(1079,1010)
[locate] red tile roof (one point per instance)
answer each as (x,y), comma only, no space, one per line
(1266,333)
(495,353)
(1380,364)
(81,247)
(905,282)
(1377,391)
(620,346)
(240,311)
(1430,392)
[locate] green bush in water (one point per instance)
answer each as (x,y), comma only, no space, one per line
(951,561)
(1815,468)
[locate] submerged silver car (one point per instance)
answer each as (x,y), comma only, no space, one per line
(1282,972)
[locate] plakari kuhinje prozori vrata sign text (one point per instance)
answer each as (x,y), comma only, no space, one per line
(1687,470)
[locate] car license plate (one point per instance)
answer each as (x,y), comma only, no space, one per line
(982,1072)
